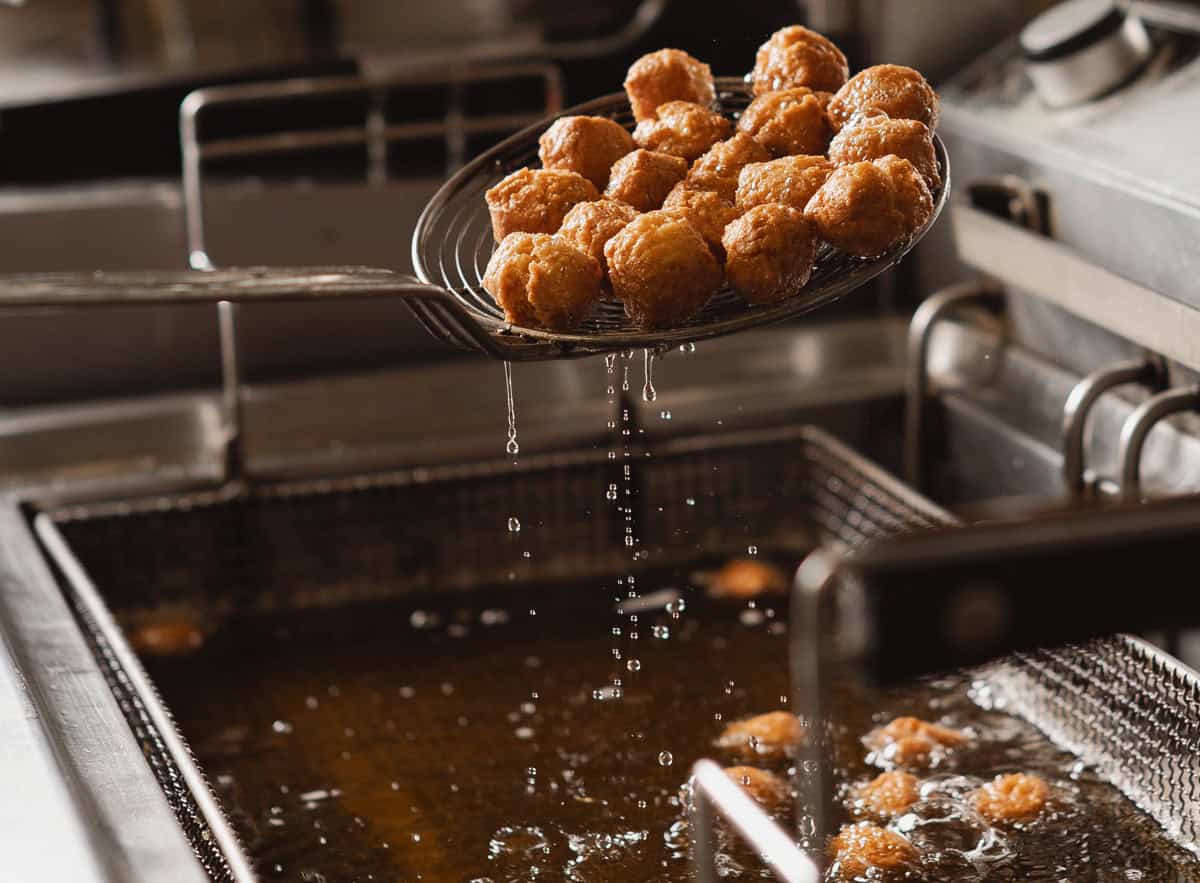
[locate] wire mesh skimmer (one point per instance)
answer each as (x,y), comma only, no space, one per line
(453,241)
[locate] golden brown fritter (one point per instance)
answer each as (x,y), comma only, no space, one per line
(869,138)
(542,281)
(643,178)
(682,128)
(772,735)
(913,197)
(661,268)
(789,180)
(667,75)
(536,200)
(869,207)
(166,638)
(796,56)
(583,144)
(788,122)
(888,794)
(766,788)
(912,743)
(745,578)
(864,848)
(718,169)
(1017,797)
(589,225)
(705,210)
(769,253)
(892,89)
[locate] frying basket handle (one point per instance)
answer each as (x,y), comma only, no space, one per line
(962,597)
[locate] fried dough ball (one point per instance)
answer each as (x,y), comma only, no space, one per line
(668,75)
(900,727)
(863,848)
(705,210)
(643,178)
(542,281)
(796,56)
(746,578)
(1017,797)
(772,735)
(788,122)
(718,169)
(915,744)
(587,145)
(661,268)
(589,225)
(766,788)
(682,128)
(536,200)
(789,180)
(769,253)
(870,138)
(166,638)
(892,89)
(868,207)
(888,794)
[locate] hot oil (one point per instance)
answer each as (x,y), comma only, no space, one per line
(481,740)
(470,742)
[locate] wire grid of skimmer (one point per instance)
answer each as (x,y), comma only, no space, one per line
(453,241)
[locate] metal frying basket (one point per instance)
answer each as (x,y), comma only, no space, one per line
(335,542)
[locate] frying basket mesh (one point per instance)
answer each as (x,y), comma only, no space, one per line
(1124,708)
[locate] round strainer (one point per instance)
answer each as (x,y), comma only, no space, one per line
(453,241)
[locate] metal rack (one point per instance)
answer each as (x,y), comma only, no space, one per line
(375,134)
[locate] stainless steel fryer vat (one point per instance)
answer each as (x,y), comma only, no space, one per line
(406,533)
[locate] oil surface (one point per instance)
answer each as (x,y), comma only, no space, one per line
(539,735)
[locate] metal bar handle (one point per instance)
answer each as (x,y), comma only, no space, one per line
(715,795)
(1083,396)
(916,387)
(1137,427)
(1000,587)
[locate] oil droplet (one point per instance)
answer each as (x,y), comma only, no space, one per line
(664,415)
(676,607)
(665,758)
(752,551)
(648,392)
(634,665)
(612,492)
(514,524)
(512,447)
(687,347)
